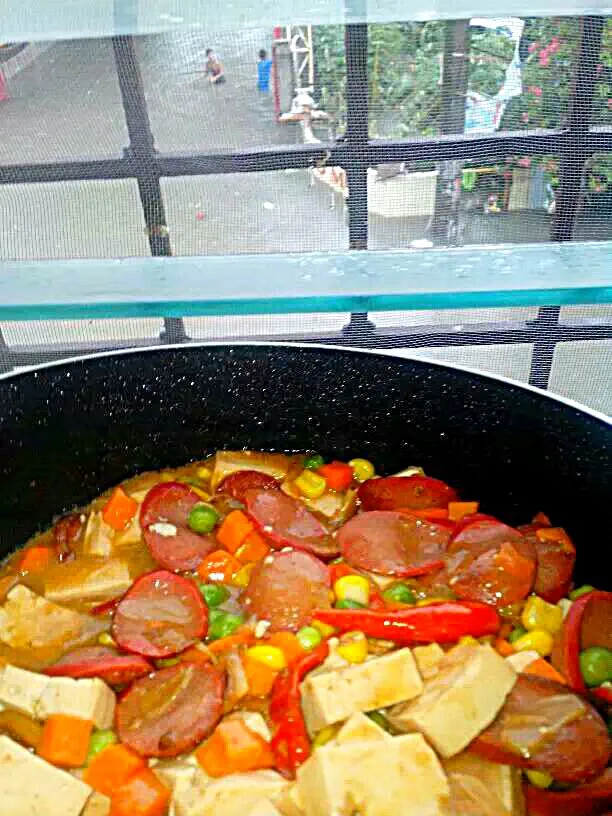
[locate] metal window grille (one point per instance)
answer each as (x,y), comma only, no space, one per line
(576,142)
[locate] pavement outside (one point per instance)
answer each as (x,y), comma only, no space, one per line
(66,104)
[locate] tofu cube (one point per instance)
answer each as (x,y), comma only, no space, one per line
(254,722)
(238,793)
(29,786)
(458,702)
(29,621)
(87,580)
(332,696)
(360,727)
(98,538)
(264,808)
(40,696)
(483,788)
(352,777)
(428,659)
(97,805)
(520,660)
(187,781)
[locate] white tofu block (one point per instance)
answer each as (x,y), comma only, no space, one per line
(29,786)
(428,659)
(483,788)
(97,805)
(264,808)
(28,620)
(187,781)
(332,696)
(40,696)
(459,701)
(520,660)
(236,794)
(254,722)
(402,775)
(90,580)
(360,727)
(98,538)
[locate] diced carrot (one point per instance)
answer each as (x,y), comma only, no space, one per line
(542,668)
(218,566)
(504,647)
(141,795)
(65,740)
(338,475)
(234,748)
(339,570)
(234,528)
(119,510)
(542,518)
(457,510)
(194,654)
(288,643)
(253,548)
(556,535)
(259,677)
(433,514)
(241,638)
(35,559)
(112,768)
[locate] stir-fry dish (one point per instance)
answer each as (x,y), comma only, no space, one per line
(258,634)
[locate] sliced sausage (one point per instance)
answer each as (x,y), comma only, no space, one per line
(392,543)
(546,727)
(171,711)
(287,523)
(238,483)
(66,533)
(585,800)
(285,588)
(490,562)
(163,518)
(555,563)
(596,627)
(160,615)
(102,662)
(410,492)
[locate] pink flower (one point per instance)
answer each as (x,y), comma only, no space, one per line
(598,68)
(544,58)
(535,90)
(610,103)
(524,116)
(533,47)
(524,162)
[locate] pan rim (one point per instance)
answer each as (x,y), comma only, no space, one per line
(398,354)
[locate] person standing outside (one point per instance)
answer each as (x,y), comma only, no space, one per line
(264,71)
(213,68)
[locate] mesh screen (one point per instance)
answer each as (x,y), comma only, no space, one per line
(232,100)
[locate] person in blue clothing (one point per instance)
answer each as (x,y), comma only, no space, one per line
(264,71)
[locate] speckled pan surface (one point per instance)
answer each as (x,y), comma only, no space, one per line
(68,431)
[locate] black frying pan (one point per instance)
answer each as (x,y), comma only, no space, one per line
(70,430)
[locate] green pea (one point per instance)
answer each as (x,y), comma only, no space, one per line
(100,740)
(222,624)
(517,633)
(580,591)
(596,665)
(314,462)
(400,593)
(214,594)
(203,518)
(309,637)
(379,719)
(347,603)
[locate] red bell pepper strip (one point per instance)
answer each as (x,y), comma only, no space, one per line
(585,800)
(337,475)
(603,693)
(439,623)
(290,744)
(571,637)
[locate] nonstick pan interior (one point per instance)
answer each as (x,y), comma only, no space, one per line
(69,431)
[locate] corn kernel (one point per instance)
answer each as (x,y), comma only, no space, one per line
(428,601)
(270,656)
(538,640)
(353,647)
(243,576)
(324,629)
(325,735)
(353,588)
(538,614)
(204,473)
(467,640)
(362,469)
(540,779)
(311,484)
(104,639)
(201,493)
